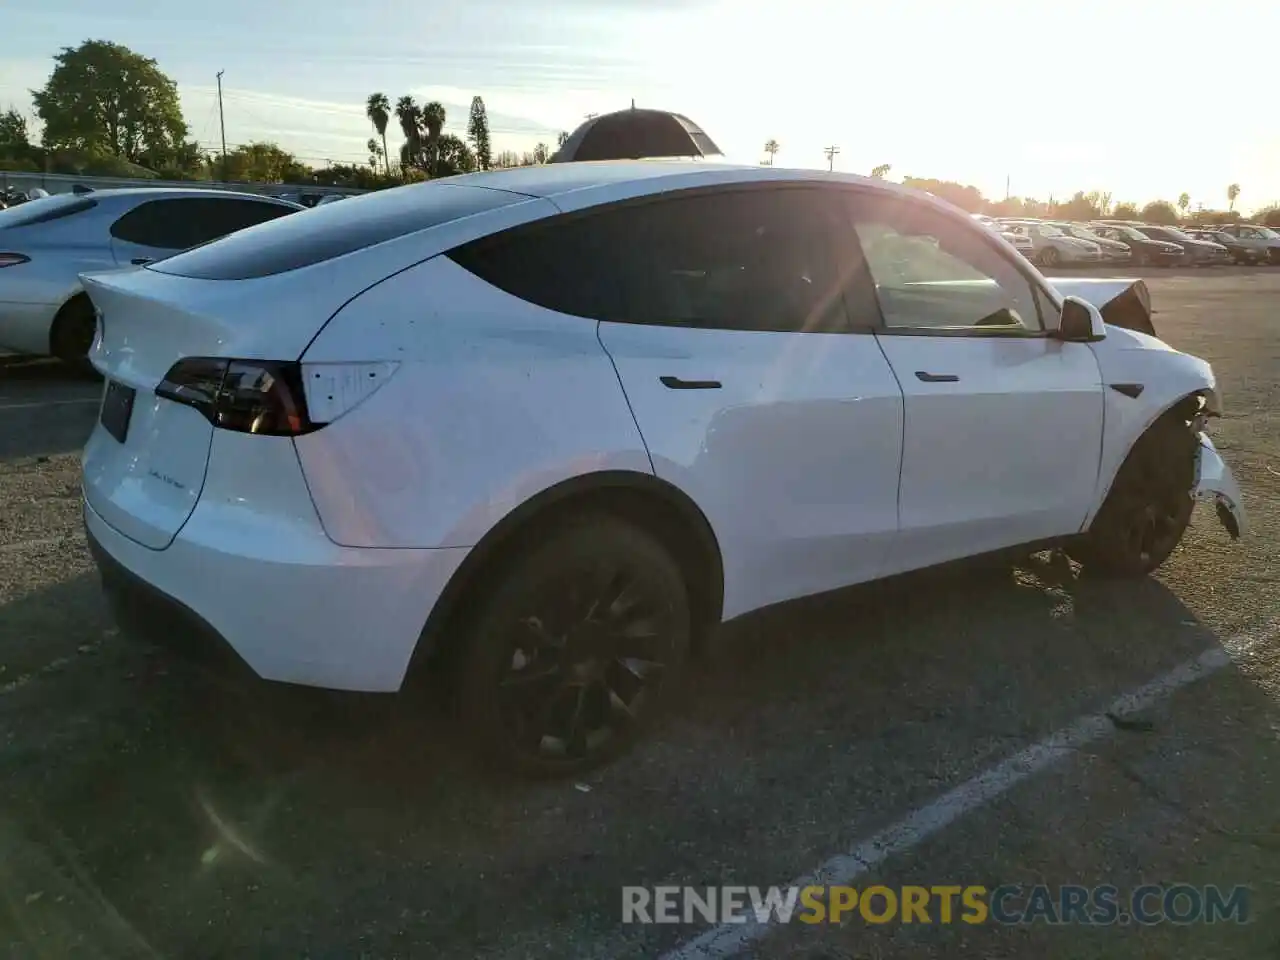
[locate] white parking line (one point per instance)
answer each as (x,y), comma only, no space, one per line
(47,403)
(729,939)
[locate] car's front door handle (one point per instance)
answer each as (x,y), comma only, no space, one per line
(675,383)
(141,261)
(928,377)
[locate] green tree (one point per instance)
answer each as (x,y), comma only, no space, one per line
(1184,201)
(1079,207)
(378,109)
(13,134)
(541,153)
(1269,216)
(771,147)
(433,120)
(881,171)
(504,159)
(409,115)
(453,156)
(104,99)
(1233,194)
(478,133)
(1159,211)
(265,162)
(377,154)
(562,138)
(961,195)
(1126,211)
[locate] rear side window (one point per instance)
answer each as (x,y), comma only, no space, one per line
(328,231)
(45,209)
(763,259)
(179,223)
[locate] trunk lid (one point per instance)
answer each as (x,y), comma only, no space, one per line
(145,462)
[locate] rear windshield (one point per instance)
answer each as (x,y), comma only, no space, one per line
(45,209)
(324,232)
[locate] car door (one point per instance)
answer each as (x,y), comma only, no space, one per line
(162,227)
(1003,424)
(724,317)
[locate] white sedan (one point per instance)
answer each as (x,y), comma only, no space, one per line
(556,424)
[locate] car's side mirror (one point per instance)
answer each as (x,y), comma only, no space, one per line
(1081,322)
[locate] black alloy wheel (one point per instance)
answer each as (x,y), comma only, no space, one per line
(571,657)
(1149,506)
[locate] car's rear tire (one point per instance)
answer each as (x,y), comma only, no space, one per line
(574,649)
(73,331)
(1049,257)
(1149,506)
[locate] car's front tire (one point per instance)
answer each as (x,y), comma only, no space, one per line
(584,632)
(1149,506)
(1049,257)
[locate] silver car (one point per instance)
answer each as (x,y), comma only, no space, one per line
(1050,246)
(1019,242)
(45,244)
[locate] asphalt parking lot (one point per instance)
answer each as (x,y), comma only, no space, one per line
(149,810)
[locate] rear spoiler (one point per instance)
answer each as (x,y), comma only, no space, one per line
(1123,303)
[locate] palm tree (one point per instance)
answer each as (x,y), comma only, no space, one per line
(410,116)
(771,147)
(1184,201)
(433,122)
(378,109)
(1233,192)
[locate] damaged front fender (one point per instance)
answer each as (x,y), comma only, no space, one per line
(1214,482)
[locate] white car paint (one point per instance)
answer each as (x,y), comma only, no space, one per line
(820,460)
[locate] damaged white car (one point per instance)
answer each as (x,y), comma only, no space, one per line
(555,424)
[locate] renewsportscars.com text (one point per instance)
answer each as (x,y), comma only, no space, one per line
(1008,904)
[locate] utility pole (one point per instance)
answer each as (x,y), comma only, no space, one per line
(222,125)
(831,157)
(1006,186)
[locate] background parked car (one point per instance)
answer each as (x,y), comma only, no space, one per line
(1144,251)
(1254,234)
(1020,242)
(1113,251)
(1197,252)
(45,244)
(1050,246)
(1241,251)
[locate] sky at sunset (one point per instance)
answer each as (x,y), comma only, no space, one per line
(1117,96)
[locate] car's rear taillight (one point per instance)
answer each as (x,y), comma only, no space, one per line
(13,259)
(248,396)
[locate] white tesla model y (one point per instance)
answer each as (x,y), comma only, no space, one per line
(560,422)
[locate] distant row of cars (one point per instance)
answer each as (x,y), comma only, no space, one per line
(1053,243)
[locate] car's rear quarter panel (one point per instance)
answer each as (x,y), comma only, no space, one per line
(494,401)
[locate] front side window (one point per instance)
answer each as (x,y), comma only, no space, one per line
(936,275)
(755,260)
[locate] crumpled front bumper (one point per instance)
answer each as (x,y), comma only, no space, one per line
(1214,483)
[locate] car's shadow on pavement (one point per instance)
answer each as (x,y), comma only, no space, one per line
(46,407)
(198,812)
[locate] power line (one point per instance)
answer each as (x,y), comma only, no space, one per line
(831,157)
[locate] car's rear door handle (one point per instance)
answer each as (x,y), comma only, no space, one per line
(928,377)
(141,261)
(675,383)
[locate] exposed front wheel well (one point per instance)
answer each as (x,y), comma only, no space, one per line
(67,334)
(654,505)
